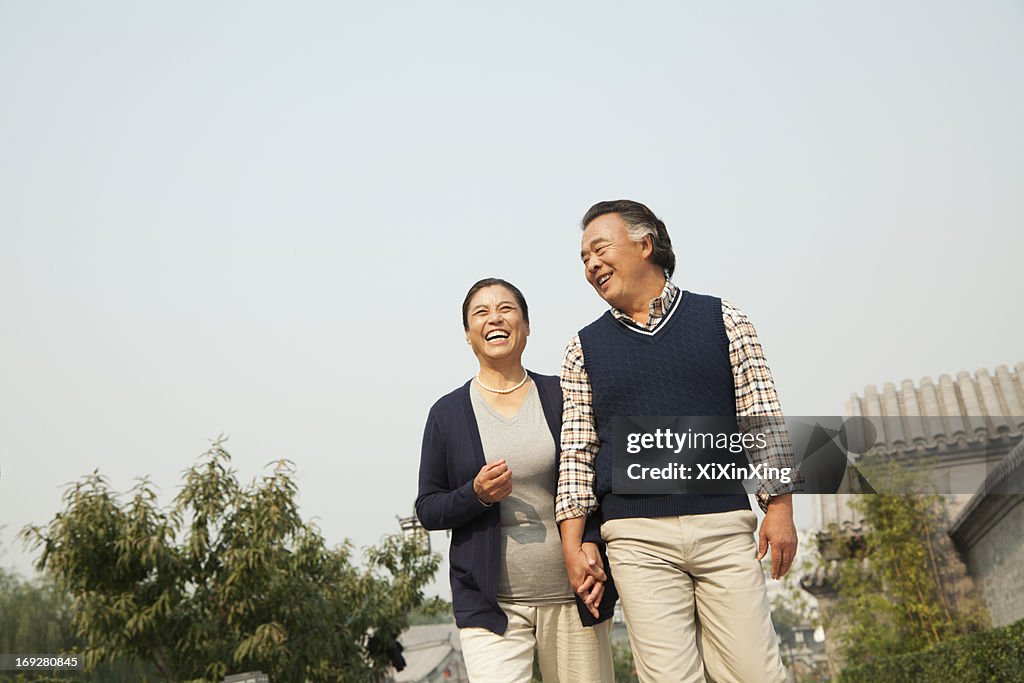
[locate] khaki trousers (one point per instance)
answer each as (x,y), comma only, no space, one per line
(567,651)
(691,586)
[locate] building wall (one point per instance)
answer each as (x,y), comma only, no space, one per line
(996,561)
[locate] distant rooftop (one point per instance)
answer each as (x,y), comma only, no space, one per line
(426,647)
(995,483)
(970,409)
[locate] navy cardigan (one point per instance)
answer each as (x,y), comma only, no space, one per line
(452,456)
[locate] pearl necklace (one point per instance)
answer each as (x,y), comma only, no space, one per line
(526,376)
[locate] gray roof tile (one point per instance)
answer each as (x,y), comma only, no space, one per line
(970,409)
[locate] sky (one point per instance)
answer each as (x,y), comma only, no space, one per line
(259,219)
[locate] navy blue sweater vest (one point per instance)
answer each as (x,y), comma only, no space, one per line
(682,369)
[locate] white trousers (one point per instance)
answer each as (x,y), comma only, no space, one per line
(567,651)
(690,586)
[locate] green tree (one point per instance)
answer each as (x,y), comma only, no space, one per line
(433,611)
(35,619)
(228,579)
(894,595)
(622,660)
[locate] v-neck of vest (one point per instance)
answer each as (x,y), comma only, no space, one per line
(682,300)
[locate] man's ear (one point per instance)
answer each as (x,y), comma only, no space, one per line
(647,246)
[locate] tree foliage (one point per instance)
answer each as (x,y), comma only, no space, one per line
(35,619)
(228,579)
(986,657)
(622,660)
(894,590)
(433,611)
(33,616)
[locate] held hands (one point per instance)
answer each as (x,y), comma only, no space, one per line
(778,531)
(586,574)
(493,483)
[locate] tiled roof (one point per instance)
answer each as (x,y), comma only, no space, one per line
(422,661)
(425,648)
(833,544)
(994,485)
(430,634)
(969,409)
(822,575)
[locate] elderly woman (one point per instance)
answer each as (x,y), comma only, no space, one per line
(488,472)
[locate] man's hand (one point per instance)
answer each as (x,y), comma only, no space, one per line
(493,483)
(778,532)
(586,574)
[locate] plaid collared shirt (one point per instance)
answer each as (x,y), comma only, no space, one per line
(755,396)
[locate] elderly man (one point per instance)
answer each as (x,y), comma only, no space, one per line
(686,566)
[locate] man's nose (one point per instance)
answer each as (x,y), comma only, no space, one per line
(593,264)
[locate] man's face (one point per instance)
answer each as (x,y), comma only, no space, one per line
(612,262)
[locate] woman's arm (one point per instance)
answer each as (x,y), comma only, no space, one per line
(442,504)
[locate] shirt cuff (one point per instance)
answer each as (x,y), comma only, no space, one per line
(766,490)
(566,507)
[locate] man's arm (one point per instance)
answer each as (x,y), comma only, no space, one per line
(579,441)
(575,499)
(757,404)
(758,410)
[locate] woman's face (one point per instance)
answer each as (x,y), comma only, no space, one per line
(497,331)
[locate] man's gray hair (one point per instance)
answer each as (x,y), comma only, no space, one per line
(640,222)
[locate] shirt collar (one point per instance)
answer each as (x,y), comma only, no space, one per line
(659,307)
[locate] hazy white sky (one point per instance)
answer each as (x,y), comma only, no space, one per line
(260,218)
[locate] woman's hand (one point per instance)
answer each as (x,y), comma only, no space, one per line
(586,574)
(493,483)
